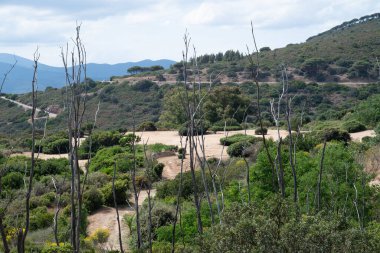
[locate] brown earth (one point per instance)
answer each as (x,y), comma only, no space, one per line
(105,217)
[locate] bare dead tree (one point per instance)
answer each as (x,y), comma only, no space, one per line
(116,208)
(2,171)
(200,150)
(255,68)
(76,107)
(136,190)
(149,170)
(179,194)
(357,208)
(276,114)
(58,194)
(22,233)
(288,117)
(6,75)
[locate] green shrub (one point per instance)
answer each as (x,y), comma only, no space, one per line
(181,153)
(335,134)
(237,149)
(52,166)
(121,188)
(144,85)
(260,131)
(40,218)
(93,199)
(353,126)
(53,248)
(60,146)
(227,128)
(99,140)
(129,140)
(158,169)
(229,140)
(147,126)
(183,131)
(170,188)
(142,182)
(159,147)
(13,180)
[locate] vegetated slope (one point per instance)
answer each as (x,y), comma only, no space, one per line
(19,79)
(345,53)
(120,105)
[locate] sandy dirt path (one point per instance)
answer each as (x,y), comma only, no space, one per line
(106,218)
(28,107)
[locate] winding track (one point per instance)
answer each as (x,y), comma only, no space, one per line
(28,107)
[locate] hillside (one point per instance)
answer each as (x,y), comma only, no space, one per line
(140,97)
(346,53)
(19,80)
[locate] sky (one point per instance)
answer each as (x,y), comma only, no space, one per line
(116,31)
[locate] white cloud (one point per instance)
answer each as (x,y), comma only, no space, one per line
(124,30)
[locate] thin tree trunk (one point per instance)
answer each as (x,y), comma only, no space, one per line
(255,77)
(116,208)
(179,193)
(23,234)
(4,236)
(136,192)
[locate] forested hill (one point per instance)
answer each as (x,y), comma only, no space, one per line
(345,53)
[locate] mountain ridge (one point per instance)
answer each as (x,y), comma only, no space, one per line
(19,79)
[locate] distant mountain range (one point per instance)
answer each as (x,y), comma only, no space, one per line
(19,80)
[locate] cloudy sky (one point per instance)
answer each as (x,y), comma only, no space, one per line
(115,31)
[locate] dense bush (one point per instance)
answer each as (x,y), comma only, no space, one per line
(229,140)
(12,180)
(260,131)
(40,218)
(59,146)
(170,188)
(121,188)
(183,131)
(129,140)
(52,166)
(93,199)
(353,126)
(335,134)
(99,140)
(159,147)
(105,159)
(53,248)
(147,126)
(158,169)
(237,149)
(272,228)
(227,128)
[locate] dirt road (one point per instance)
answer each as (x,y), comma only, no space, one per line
(106,218)
(28,107)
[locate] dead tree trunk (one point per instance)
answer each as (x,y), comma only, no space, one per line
(255,74)
(116,208)
(291,151)
(76,95)
(319,199)
(24,233)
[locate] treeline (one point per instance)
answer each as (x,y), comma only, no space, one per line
(138,69)
(348,24)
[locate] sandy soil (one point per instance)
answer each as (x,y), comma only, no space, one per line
(106,218)
(359,135)
(212,147)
